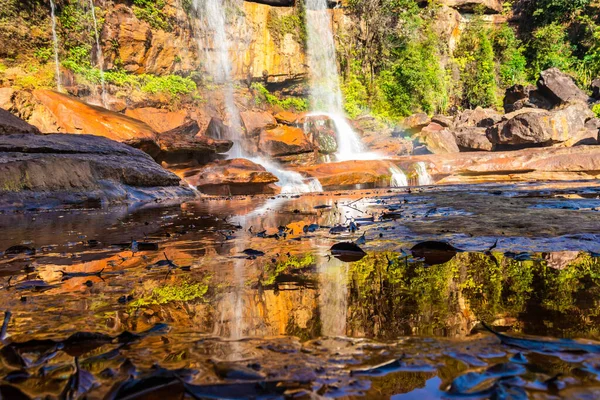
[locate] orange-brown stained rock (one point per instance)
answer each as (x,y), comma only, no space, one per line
(74,116)
(235,176)
(159,119)
(286,117)
(256,121)
(350,173)
(284,140)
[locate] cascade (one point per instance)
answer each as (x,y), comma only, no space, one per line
(55,40)
(423,176)
(325,91)
(216,46)
(398,177)
(99,56)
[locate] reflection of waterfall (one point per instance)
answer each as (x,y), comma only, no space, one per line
(333,292)
(99,55)
(423,175)
(398,177)
(291,182)
(325,91)
(55,39)
(216,47)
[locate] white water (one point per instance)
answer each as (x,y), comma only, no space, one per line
(291,182)
(398,178)
(422,174)
(99,56)
(216,47)
(55,39)
(325,92)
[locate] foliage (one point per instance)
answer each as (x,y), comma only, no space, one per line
(173,84)
(509,54)
(183,292)
(262,96)
(549,48)
(272,271)
(152,11)
(293,24)
(356,95)
(550,11)
(475,58)
(596,110)
(43,54)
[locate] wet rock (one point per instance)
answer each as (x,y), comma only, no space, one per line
(10,124)
(61,170)
(283,141)
(351,174)
(538,127)
(472,139)
(559,87)
(479,117)
(232,177)
(216,129)
(438,139)
(256,121)
(416,122)
(159,119)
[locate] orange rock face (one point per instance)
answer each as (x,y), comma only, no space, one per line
(231,177)
(351,173)
(255,121)
(74,116)
(158,119)
(283,141)
(286,117)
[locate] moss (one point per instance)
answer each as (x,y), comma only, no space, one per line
(182,292)
(263,96)
(153,13)
(17,185)
(291,24)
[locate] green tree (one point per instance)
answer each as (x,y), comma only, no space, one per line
(549,48)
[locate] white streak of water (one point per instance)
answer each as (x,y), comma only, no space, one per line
(55,40)
(422,174)
(325,91)
(398,178)
(291,182)
(99,56)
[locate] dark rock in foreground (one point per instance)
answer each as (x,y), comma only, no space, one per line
(60,170)
(11,124)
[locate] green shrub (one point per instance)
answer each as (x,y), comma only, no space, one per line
(508,52)
(263,96)
(596,110)
(293,24)
(549,48)
(44,54)
(152,12)
(172,84)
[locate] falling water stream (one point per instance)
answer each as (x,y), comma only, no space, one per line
(99,55)
(55,40)
(325,92)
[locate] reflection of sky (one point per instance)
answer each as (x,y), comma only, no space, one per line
(431,391)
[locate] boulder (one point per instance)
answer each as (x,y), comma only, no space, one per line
(6,96)
(443,120)
(236,176)
(284,140)
(542,128)
(256,121)
(416,122)
(286,117)
(320,130)
(518,97)
(10,124)
(472,139)
(438,139)
(159,119)
(216,129)
(559,87)
(58,170)
(471,6)
(352,174)
(594,87)
(183,147)
(76,117)
(479,117)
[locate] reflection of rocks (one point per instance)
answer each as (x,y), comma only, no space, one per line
(73,169)
(560,260)
(232,177)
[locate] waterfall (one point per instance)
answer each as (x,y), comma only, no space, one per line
(99,56)
(325,92)
(291,182)
(398,177)
(216,47)
(422,174)
(55,39)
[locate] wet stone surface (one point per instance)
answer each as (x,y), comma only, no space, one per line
(445,292)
